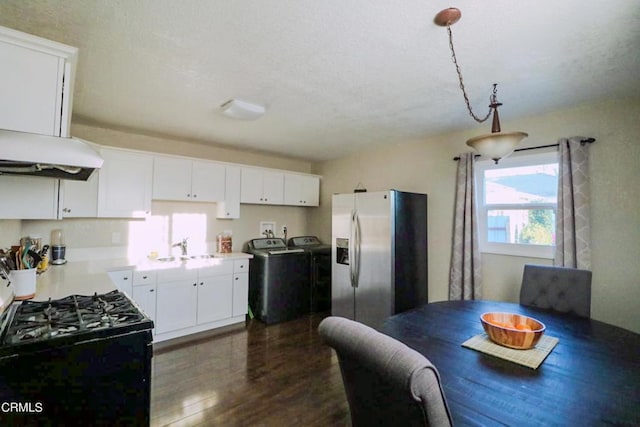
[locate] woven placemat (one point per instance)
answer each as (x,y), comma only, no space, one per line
(531,358)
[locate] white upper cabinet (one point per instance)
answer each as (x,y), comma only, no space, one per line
(171,178)
(34,98)
(176,178)
(125,184)
(79,199)
(28,197)
(301,190)
(230,207)
(262,186)
(207,181)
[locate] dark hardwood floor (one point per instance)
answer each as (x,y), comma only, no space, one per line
(278,375)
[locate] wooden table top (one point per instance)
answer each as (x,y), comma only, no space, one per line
(592,376)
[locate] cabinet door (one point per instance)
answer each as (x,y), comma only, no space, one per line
(176,305)
(215,295)
(311,190)
(80,198)
(171,178)
(23,197)
(123,280)
(31,88)
(240,294)
(273,187)
(230,207)
(301,190)
(293,189)
(124,184)
(251,186)
(145,297)
(207,182)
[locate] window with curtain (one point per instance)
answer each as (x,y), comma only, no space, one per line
(517,202)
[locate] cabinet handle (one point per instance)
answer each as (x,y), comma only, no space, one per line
(125,278)
(195,195)
(144,277)
(201,283)
(151,290)
(188,195)
(237,278)
(195,284)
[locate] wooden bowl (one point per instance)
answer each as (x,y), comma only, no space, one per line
(512,330)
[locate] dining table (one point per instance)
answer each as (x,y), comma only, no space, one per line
(590,378)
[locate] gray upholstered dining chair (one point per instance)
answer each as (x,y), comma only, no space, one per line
(562,289)
(386,382)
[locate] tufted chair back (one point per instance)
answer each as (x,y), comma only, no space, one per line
(562,289)
(386,382)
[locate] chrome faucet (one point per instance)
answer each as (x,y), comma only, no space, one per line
(183,246)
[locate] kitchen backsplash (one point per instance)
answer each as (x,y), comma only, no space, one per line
(169,223)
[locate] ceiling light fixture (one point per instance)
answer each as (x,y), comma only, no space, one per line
(497,144)
(242,110)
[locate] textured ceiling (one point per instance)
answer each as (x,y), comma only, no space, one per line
(335,75)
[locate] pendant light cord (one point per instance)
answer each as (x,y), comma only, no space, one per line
(464,92)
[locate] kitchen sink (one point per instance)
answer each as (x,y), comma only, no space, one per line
(202,256)
(184,257)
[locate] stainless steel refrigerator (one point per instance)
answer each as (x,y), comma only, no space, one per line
(378,255)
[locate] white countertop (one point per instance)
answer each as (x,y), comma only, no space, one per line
(88,277)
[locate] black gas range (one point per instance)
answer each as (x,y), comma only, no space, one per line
(84,357)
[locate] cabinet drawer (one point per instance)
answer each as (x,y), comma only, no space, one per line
(122,280)
(120,276)
(241,266)
(144,278)
(224,267)
(174,274)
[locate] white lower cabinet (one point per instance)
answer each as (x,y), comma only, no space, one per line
(214,298)
(144,292)
(123,280)
(176,303)
(240,287)
(145,297)
(183,300)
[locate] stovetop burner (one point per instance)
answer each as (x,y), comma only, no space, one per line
(35,321)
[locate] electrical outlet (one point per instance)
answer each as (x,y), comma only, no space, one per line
(267,228)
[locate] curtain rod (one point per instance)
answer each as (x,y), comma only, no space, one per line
(582,142)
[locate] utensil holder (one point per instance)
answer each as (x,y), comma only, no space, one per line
(24,283)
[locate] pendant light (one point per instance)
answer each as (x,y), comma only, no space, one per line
(497,144)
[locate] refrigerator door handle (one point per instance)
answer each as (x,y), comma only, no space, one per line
(352,248)
(353,255)
(356,246)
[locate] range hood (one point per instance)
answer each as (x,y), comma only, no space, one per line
(32,154)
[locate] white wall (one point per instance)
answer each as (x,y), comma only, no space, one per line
(426,166)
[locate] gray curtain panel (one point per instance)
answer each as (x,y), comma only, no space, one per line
(573,225)
(465,275)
